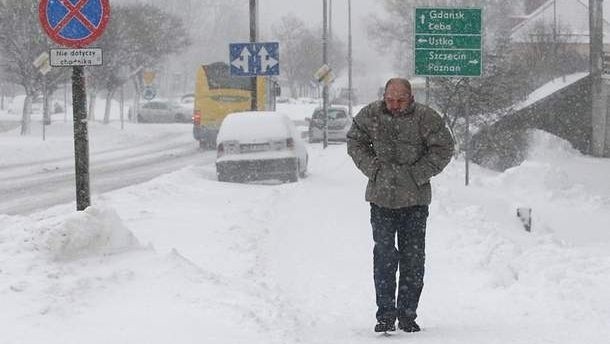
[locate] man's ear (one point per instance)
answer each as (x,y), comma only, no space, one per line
(412,98)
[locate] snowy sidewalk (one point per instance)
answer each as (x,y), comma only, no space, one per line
(186,259)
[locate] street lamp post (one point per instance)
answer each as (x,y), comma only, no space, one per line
(349,56)
(324,62)
(253,38)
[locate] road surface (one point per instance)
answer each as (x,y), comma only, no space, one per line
(31,186)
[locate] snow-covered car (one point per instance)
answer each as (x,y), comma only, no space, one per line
(259,145)
(163,111)
(339,122)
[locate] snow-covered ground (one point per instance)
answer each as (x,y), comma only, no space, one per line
(186,259)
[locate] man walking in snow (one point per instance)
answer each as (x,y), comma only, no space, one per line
(399,145)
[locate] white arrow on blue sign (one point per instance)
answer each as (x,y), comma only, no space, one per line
(252,59)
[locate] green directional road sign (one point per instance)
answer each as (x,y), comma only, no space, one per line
(448,42)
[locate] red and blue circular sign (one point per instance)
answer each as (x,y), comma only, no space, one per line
(74,23)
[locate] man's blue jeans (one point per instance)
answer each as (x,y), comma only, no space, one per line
(409,226)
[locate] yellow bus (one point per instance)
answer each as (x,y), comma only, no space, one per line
(217,94)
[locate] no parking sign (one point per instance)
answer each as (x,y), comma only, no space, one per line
(74,23)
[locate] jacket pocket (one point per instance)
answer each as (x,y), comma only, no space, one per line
(405,178)
(385,176)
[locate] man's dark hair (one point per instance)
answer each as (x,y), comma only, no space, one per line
(402,81)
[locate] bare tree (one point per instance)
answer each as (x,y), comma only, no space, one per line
(301,52)
(484,99)
(211,24)
(21,41)
(139,36)
(298,46)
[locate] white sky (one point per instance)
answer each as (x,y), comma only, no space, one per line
(374,68)
(311,12)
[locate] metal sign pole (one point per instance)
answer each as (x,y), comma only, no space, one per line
(253,38)
(467,142)
(427,91)
(122,107)
(65,102)
(45,110)
(325,61)
(81,138)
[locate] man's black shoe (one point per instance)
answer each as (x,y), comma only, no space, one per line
(385,326)
(408,325)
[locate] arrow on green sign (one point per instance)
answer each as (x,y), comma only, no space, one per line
(448,42)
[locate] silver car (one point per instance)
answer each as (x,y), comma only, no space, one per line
(163,111)
(339,122)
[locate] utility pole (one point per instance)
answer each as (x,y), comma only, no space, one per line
(467,143)
(598,96)
(324,62)
(65,102)
(555,22)
(349,56)
(330,20)
(253,39)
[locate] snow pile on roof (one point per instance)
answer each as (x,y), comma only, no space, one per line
(298,110)
(254,126)
(550,88)
(569,17)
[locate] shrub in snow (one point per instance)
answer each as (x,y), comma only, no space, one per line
(95,231)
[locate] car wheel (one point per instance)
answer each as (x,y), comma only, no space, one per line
(179,118)
(206,145)
(310,138)
(293,176)
(303,174)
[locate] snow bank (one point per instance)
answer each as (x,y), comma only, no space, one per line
(95,231)
(543,169)
(565,189)
(544,146)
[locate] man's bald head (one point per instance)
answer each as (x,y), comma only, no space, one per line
(397,96)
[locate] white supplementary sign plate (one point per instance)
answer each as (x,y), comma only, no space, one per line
(75,57)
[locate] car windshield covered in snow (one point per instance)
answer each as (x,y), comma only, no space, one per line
(338,122)
(333,114)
